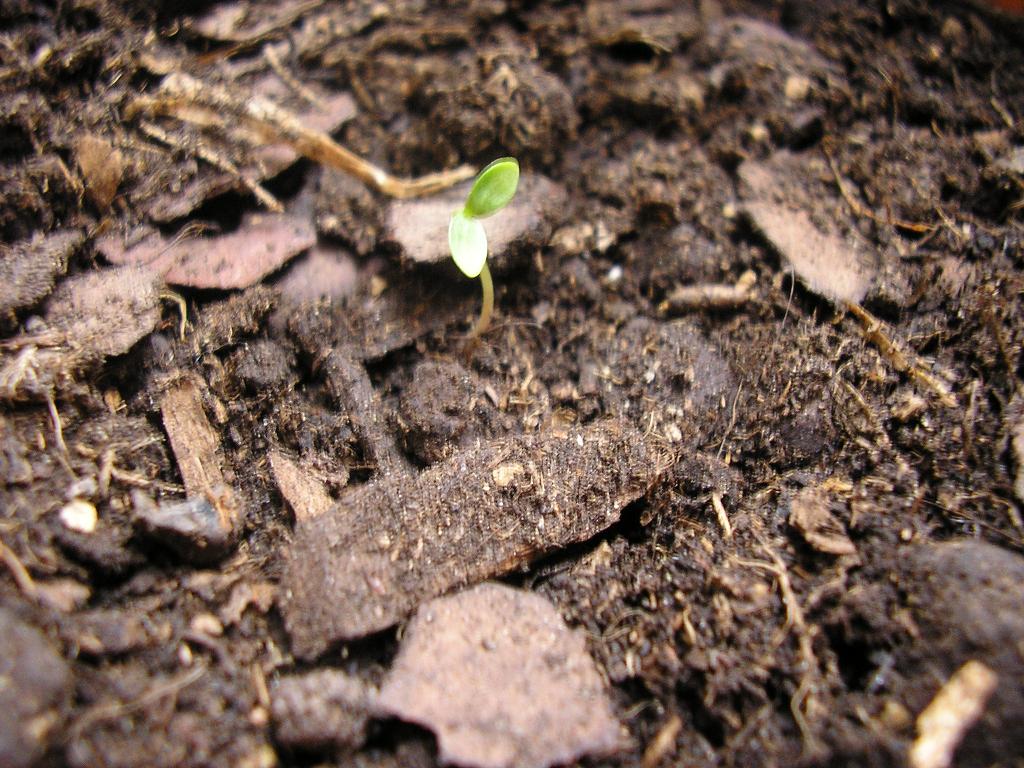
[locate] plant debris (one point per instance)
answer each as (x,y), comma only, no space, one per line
(390,545)
(87,319)
(502,681)
(261,244)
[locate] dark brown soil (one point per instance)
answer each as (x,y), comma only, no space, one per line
(783,513)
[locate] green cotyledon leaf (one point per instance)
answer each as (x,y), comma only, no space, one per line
(493,189)
(468,243)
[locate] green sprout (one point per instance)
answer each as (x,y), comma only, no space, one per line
(493,189)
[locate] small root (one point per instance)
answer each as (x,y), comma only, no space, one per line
(904,362)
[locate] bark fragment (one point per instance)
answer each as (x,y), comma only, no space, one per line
(390,545)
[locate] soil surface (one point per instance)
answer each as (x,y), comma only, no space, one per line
(744,442)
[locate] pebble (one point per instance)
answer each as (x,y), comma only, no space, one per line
(198,529)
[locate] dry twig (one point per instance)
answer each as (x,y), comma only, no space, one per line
(904,362)
(191,100)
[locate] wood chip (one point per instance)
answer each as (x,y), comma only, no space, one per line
(193,440)
(304,493)
(502,681)
(955,708)
(390,545)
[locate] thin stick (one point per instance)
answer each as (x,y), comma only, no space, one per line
(720,513)
(488,305)
(194,101)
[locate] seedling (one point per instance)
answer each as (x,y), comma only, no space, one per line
(493,189)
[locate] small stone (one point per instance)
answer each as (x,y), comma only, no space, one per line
(320,709)
(797,87)
(200,529)
(79,515)
(206,624)
(35,683)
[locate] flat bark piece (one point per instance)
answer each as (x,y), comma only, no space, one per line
(105,312)
(802,222)
(88,318)
(502,681)
(394,543)
(420,227)
(193,440)
(304,493)
(262,243)
(28,270)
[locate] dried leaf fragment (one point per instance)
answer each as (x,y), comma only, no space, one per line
(502,681)
(102,167)
(809,513)
(261,244)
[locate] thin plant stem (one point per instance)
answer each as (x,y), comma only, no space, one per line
(488,306)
